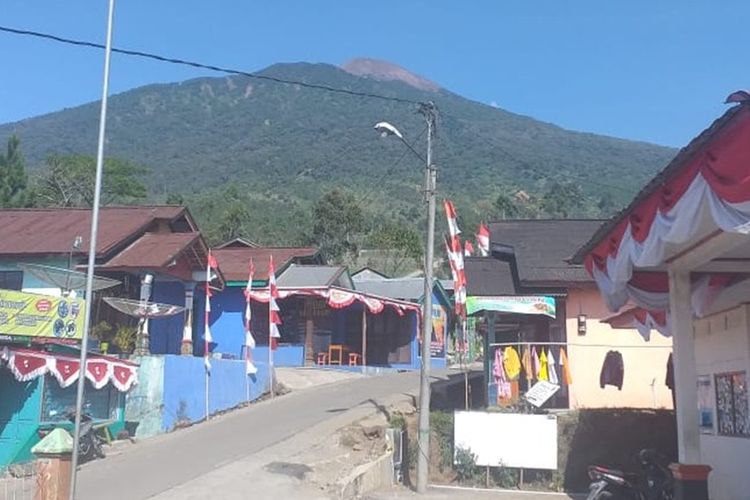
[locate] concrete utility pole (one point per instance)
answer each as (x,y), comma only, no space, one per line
(429,111)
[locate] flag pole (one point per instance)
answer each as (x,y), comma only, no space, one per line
(271,277)
(207,334)
(92,250)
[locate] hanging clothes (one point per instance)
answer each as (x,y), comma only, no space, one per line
(613,370)
(551,371)
(501,380)
(669,381)
(511,363)
(543,367)
(566,379)
(536,366)
(528,368)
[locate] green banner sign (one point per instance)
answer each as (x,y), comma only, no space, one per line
(512,304)
(32,315)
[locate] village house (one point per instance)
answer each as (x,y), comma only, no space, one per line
(527,296)
(676,260)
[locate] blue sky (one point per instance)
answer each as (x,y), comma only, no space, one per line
(652,71)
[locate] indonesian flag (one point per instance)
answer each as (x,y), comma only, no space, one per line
(483,240)
(249,339)
(468,249)
(207,339)
(274,319)
(450,213)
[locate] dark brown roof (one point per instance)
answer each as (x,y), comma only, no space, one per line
(488,276)
(234,262)
(543,246)
(682,158)
(238,243)
(154,250)
(52,231)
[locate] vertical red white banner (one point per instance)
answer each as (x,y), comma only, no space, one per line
(274,319)
(250,367)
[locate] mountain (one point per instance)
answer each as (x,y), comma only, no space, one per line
(281,145)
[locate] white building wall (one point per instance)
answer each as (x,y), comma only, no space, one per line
(722,344)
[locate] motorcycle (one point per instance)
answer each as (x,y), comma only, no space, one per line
(654,483)
(89,442)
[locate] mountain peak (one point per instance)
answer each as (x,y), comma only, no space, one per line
(387,71)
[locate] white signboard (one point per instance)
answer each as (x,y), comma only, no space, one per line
(541,392)
(508,439)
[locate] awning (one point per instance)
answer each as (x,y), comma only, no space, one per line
(514,304)
(703,192)
(28,364)
(338,298)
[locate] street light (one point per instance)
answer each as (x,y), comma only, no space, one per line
(385,129)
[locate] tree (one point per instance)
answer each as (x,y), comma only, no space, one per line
(562,198)
(337,222)
(68,181)
(13,177)
(400,247)
(233,221)
(506,206)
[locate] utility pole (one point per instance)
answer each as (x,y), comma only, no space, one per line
(429,111)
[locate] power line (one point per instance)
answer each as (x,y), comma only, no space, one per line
(231,71)
(211,67)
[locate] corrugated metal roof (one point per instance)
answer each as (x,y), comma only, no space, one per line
(296,276)
(53,230)
(411,289)
(153,250)
(234,262)
(488,276)
(543,246)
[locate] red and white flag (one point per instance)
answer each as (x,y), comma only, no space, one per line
(483,240)
(450,213)
(207,339)
(250,367)
(274,318)
(456,257)
(468,249)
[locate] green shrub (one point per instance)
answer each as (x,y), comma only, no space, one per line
(465,466)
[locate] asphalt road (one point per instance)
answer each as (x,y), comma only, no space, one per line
(162,463)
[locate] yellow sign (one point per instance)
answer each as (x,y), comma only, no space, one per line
(32,315)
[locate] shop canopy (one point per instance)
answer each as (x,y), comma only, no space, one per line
(514,304)
(700,200)
(28,364)
(338,298)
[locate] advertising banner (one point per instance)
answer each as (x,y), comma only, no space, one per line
(32,315)
(512,304)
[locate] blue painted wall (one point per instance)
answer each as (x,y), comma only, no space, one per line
(184,387)
(285,355)
(20,407)
(166,333)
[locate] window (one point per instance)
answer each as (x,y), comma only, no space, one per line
(11,280)
(731,404)
(57,402)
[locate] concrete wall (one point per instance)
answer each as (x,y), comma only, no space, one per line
(645,362)
(144,403)
(171,391)
(722,344)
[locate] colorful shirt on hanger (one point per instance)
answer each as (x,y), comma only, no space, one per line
(498,371)
(551,371)
(565,368)
(511,363)
(528,368)
(543,368)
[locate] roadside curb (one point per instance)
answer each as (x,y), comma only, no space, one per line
(369,477)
